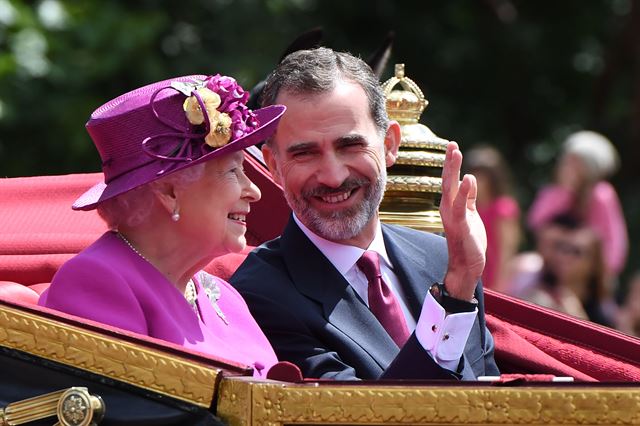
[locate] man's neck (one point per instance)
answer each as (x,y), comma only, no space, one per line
(362,240)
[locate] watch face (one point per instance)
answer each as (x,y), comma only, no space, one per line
(451,304)
(436,291)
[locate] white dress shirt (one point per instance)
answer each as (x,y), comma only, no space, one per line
(443,336)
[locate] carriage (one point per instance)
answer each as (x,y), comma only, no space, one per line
(58,367)
(556,369)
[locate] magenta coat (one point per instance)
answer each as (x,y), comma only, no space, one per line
(109,283)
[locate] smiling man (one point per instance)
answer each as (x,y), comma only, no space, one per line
(340,294)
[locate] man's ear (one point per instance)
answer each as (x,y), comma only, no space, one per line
(392,143)
(272,164)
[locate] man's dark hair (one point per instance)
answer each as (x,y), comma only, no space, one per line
(316,71)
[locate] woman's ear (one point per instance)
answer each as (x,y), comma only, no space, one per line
(392,143)
(165,193)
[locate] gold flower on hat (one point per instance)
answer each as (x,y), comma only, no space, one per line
(219,123)
(220,133)
(191,105)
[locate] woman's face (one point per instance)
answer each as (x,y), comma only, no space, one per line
(571,172)
(574,255)
(213,210)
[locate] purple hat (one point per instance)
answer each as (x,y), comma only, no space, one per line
(168,126)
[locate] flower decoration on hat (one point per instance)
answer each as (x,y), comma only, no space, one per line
(219,122)
(216,111)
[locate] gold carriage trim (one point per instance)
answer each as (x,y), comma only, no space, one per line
(437,145)
(243,403)
(73,406)
(420,158)
(414,184)
(91,351)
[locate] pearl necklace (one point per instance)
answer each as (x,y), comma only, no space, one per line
(127,242)
(209,285)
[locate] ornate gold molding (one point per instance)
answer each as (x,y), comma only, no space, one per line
(235,402)
(414,184)
(420,158)
(276,404)
(134,364)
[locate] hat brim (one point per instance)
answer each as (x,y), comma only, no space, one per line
(268,118)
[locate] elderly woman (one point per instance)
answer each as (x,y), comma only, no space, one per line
(175,196)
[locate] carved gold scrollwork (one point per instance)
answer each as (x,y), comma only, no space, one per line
(74,407)
(420,158)
(414,183)
(279,404)
(91,351)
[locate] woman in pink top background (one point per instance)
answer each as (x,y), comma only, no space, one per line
(498,209)
(175,196)
(580,188)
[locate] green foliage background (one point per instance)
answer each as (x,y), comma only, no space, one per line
(514,73)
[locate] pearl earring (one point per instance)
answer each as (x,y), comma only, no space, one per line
(175,216)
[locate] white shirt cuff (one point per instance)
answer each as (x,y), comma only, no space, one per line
(443,336)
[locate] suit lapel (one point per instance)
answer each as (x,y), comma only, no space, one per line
(318,279)
(413,267)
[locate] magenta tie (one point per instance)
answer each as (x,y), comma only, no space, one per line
(382,302)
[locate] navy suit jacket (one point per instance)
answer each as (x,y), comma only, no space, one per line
(314,318)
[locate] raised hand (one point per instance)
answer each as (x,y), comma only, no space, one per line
(463,228)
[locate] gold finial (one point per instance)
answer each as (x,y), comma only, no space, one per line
(414,185)
(405,105)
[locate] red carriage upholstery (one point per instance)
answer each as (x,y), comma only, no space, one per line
(39,231)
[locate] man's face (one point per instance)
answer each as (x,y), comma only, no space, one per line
(331,161)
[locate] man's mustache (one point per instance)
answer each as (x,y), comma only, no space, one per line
(347,185)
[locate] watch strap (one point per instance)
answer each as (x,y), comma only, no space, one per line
(450,304)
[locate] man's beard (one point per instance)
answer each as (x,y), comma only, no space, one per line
(343,224)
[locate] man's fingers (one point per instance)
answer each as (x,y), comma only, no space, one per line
(460,202)
(451,173)
(473,191)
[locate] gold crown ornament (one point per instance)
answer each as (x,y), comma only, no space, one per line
(414,182)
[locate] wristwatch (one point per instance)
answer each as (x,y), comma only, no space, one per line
(449,303)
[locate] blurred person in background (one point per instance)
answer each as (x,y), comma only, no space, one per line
(498,209)
(567,272)
(628,320)
(580,189)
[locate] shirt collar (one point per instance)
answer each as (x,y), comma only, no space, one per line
(342,256)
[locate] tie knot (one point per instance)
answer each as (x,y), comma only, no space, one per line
(369,265)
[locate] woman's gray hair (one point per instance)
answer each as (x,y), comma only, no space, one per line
(316,71)
(133,207)
(595,150)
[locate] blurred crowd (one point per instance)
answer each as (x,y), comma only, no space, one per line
(578,230)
